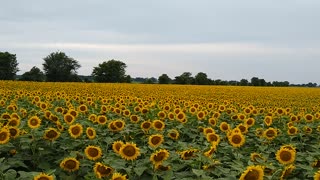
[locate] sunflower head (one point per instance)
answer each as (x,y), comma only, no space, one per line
(159,156)
(188,154)
(75,130)
(43,176)
(155,140)
(158,125)
(129,151)
(287,171)
(285,155)
(101,119)
(93,152)
(268,120)
(146,126)
(224,127)
(102,170)
(134,118)
(292,130)
(118,176)
(270,133)
(212,121)
(70,164)
(51,134)
(253,172)
(4,135)
(173,134)
(236,139)
(34,122)
(91,132)
(116,146)
(68,118)
(213,137)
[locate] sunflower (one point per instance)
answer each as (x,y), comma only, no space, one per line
(268,120)
(192,110)
(118,176)
(101,119)
(14,122)
(112,126)
(75,130)
(236,139)
(43,176)
(51,134)
(250,122)
(162,167)
(34,122)
(116,146)
(243,128)
(270,133)
(213,137)
(241,117)
(159,156)
(59,126)
(155,140)
(83,108)
(212,149)
(212,121)
(253,172)
(93,152)
(69,118)
(292,130)
(188,154)
(181,116)
(93,117)
(14,132)
(129,151)
(4,135)
(173,134)
(317,175)
(256,157)
(101,170)
(201,115)
(224,126)
(171,116)
(58,110)
(287,171)
(73,112)
(208,130)
(134,118)
(309,118)
(70,164)
(285,155)
(54,118)
(162,114)
(146,125)
(316,164)
(119,124)
(158,125)
(91,132)
(307,130)
(5,115)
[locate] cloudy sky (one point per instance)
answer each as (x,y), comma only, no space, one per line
(229,39)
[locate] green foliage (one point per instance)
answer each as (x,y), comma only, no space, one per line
(164,79)
(111,71)
(35,74)
(201,79)
(58,67)
(184,78)
(8,66)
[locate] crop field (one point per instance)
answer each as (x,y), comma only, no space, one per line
(75,131)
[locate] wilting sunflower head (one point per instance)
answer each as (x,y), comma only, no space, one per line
(188,154)
(285,156)
(51,134)
(102,170)
(159,156)
(34,122)
(93,152)
(158,125)
(70,164)
(253,172)
(161,167)
(129,151)
(268,120)
(155,140)
(43,176)
(256,157)
(287,171)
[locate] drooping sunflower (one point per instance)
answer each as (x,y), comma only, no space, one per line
(292,130)
(101,119)
(75,130)
(34,122)
(270,133)
(268,120)
(116,146)
(158,125)
(253,173)
(101,170)
(146,126)
(173,134)
(70,164)
(5,115)
(316,164)
(162,167)
(4,135)
(68,118)
(213,137)
(287,171)
(134,118)
(118,176)
(159,156)
(236,139)
(285,156)
(224,126)
(43,176)
(307,130)
(259,132)
(212,149)
(93,152)
(256,157)
(155,140)
(51,134)
(188,154)
(91,132)
(129,151)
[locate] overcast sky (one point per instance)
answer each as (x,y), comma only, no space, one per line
(229,39)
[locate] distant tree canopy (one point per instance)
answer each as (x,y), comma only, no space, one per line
(58,67)
(164,79)
(35,74)
(8,66)
(184,78)
(111,71)
(201,79)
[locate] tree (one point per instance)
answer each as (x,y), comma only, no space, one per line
(184,78)
(58,67)
(244,82)
(201,78)
(112,71)
(164,79)
(255,81)
(35,74)
(8,66)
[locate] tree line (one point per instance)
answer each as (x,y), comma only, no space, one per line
(58,67)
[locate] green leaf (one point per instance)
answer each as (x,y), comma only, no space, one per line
(10,175)
(139,170)
(198,172)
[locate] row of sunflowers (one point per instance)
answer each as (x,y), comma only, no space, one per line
(133,131)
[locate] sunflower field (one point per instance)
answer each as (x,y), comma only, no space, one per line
(77,131)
